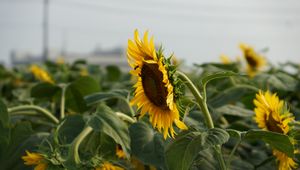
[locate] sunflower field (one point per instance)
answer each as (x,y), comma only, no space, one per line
(239,114)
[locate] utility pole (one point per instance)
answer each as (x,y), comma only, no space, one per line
(45,30)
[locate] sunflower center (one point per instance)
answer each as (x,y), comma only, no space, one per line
(272,125)
(251,61)
(153,85)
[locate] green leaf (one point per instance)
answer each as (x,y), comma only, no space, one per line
(233,110)
(86,85)
(4,117)
(147,145)
(44,90)
(217,75)
(234,133)
(229,95)
(77,90)
(277,141)
(101,96)
(105,120)
(280,81)
(22,138)
(181,153)
(70,127)
(113,73)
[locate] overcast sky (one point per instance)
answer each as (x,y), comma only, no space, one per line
(195,30)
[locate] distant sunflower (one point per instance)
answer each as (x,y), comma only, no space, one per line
(225,59)
(119,152)
(272,115)
(154,91)
(254,60)
(41,74)
(108,166)
(35,159)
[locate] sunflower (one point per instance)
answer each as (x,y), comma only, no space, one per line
(272,115)
(154,91)
(108,166)
(225,59)
(35,159)
(119,152)
(41,74)
(254,61)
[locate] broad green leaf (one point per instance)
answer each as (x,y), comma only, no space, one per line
(86,85)
(77,90)
(70,127)
(277,141)
(4,117)
(217,75)
(101,96)
(214,67)
(105,120)
(228,96)
(279,80)
(233,110)
(181,152)
(234,133)
(4,138)
(113,73)
(146,144)
(44,90)
(22,138)
(74,100)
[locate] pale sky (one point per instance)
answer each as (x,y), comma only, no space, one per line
(195,30)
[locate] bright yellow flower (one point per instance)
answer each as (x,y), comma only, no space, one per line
(138,165)
(84,72)
(108,166)
(153,90)
(35,159)
(225,59)
(271,115)
(60,60)
(254,60)
(119,152)
(41,74)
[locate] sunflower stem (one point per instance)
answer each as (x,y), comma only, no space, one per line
(62,101)
(233,151)
(125,117)
(73,152)
(39,109)
(200,100)
(203,106)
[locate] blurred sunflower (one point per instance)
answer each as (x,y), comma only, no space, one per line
(35,159)
(119,152)
(108,166)
(272,115)
(154,91)
(40,74)
(254,61)
(60,60)
(225,59)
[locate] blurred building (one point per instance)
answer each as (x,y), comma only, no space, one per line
(101,57)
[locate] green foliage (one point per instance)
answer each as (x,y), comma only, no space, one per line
(147,145)
(181,152)
(44,90)
(76,92)
(4,117)
(113,73)
(277,141)
(217,75)
(106,121)
(69,128)
(100,98)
